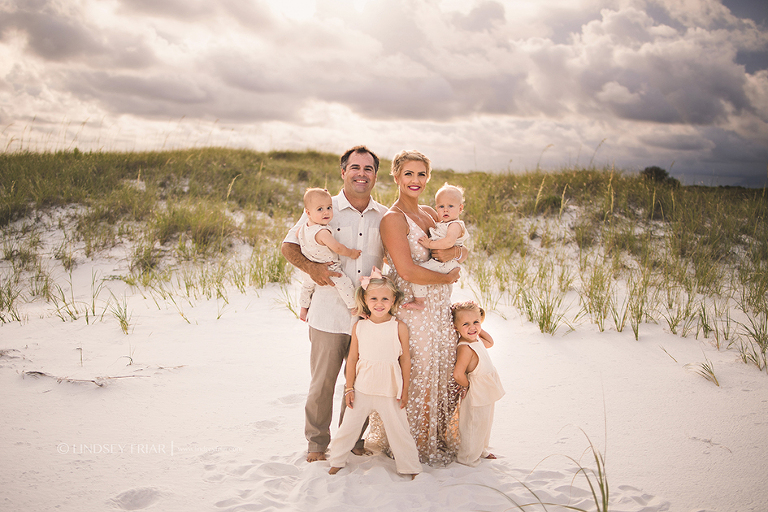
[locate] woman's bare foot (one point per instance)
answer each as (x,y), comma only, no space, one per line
(490,456)
(315,456)
(333,471)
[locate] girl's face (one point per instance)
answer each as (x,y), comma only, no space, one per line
(412,178)
(468,324)
(379,300)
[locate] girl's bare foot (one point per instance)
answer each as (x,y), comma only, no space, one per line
(333,471)
(315,456)
(490,456)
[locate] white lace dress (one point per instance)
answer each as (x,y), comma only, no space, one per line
(433,394)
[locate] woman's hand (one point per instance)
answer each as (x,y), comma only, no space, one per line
(404,398)
(451,253)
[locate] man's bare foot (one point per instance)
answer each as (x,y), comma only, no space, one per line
(362,451)
(333,471)
(490,456)
(315,456)
(415,305)
(303,314)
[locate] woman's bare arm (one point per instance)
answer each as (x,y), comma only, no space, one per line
(394,235)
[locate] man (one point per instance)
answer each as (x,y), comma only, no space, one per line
(355,223)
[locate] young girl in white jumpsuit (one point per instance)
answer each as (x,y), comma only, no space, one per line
(378,375)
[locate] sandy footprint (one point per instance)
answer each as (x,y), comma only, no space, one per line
(137,499)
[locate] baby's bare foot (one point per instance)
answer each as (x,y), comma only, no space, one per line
(415,305)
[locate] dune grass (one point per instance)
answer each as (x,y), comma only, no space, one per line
(560,246)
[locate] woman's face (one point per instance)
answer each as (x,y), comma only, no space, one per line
(412,178)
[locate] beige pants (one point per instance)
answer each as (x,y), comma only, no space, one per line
(475,431)
(395,424)
(328,352)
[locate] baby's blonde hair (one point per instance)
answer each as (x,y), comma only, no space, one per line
(311,193)
(469,305)
(362,308)
(451,188)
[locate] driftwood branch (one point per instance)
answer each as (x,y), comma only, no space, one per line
(99,381)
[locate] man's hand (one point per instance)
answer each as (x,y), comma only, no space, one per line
(321,273)
(318,272)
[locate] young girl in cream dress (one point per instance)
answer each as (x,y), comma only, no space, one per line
(475,373)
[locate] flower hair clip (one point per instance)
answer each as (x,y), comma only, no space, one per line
(366,280)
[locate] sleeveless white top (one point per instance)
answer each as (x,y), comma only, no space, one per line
(441,229)
(484,383)
(311,248)
(378,367)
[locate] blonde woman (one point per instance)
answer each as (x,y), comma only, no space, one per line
(433,397)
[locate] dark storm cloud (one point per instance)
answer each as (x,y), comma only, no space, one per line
(51,36)
(677,142)
(731,147)
(163,96)
(656,73)
(64,36)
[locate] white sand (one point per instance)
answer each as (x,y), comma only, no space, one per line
(210,417)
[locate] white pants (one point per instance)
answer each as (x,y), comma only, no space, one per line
(420,290)
(475,431)
(395,424)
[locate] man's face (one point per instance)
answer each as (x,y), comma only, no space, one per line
(360,175)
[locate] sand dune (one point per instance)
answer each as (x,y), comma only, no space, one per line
(208,415)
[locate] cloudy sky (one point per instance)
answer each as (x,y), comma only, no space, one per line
(475,84)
